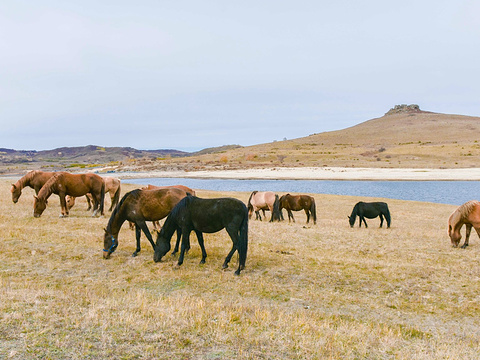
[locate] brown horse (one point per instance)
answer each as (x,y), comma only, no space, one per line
(63,183)
(467,214)
(139,206)
(112,186)
(34,179)
(263,200)
(297,203)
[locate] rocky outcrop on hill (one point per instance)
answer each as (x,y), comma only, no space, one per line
(404,108)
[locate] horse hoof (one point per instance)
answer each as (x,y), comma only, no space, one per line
(134,254)
(224,266)
(237,272)
(202,261)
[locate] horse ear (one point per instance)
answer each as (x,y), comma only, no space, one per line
(35,196)
(105,229)
(14,186)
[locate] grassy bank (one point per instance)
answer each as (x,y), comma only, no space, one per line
(323,291)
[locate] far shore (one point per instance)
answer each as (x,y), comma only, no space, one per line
(300,173)
(316,173)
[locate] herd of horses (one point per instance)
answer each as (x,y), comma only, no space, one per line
(184,212)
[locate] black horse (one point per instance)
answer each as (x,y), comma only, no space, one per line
(206,216)
(370,211)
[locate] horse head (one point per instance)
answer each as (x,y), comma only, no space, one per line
(162,246)
(109,244)
(39,206)
(351,220)
(16,192)
(455,236)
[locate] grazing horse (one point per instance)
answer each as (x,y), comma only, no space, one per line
(139,206)
(467,214)
(297,203)
(63,183)
(264,200)
(112,186)
(34,179)
(369,211)
(209,216)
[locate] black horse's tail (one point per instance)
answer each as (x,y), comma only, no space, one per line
(102,198)
(116,197)
(242,244)
(276,209)
(313,211)
(387,215)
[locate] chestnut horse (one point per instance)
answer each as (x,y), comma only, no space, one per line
(139,206)
(112,186)
(34,179)
(467,214)
(63,183)
(297,203)
(156,224)
(263,200)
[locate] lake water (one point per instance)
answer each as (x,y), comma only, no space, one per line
(445,192)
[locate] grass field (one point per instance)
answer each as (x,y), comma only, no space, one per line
(308,292)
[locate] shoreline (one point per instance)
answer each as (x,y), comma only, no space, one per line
(317,173)
(300,173)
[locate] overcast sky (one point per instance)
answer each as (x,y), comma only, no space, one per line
(194,74)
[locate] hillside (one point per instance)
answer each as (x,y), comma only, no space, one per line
(404,137)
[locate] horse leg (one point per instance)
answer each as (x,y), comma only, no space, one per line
(202,246)
(290,215)
(381,220)
(468,229)
(234,236)
(112,201)
(362,218)
(96,205)
(185,241)
(63,205)
(89,203)
(144,227)
(179,236)
(138,232)
(308,215)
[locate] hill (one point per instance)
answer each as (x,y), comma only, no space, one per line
(404,137)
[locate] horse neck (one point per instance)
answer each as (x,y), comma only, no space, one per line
(354,212)
(116,221)
(23,181)
(47,189)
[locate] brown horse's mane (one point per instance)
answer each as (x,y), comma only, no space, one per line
(464,210)
(25,179)
(47,188)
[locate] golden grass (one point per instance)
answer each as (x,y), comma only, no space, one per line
(324,291)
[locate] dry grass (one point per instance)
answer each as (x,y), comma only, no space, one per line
(324,291)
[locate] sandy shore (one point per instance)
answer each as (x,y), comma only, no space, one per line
(316,173)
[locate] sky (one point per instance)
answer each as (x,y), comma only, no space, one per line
(188,75)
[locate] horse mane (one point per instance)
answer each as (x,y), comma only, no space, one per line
(46,189)
(464,210)
(134,194)
(25,179)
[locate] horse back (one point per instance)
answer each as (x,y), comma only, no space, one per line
(152,205)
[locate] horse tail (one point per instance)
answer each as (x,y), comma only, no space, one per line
(387,215)
(249,203)
(242,244)
(276,209)
(102,197)
(313,211)
(116,197)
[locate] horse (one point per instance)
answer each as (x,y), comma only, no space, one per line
(297,203)
(112,186)
(467,214)
(156,224)
(34,179)
(370,211)
(206,216)
(139,206)
(263,200)
(63,183)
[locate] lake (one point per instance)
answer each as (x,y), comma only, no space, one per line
(444,192)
